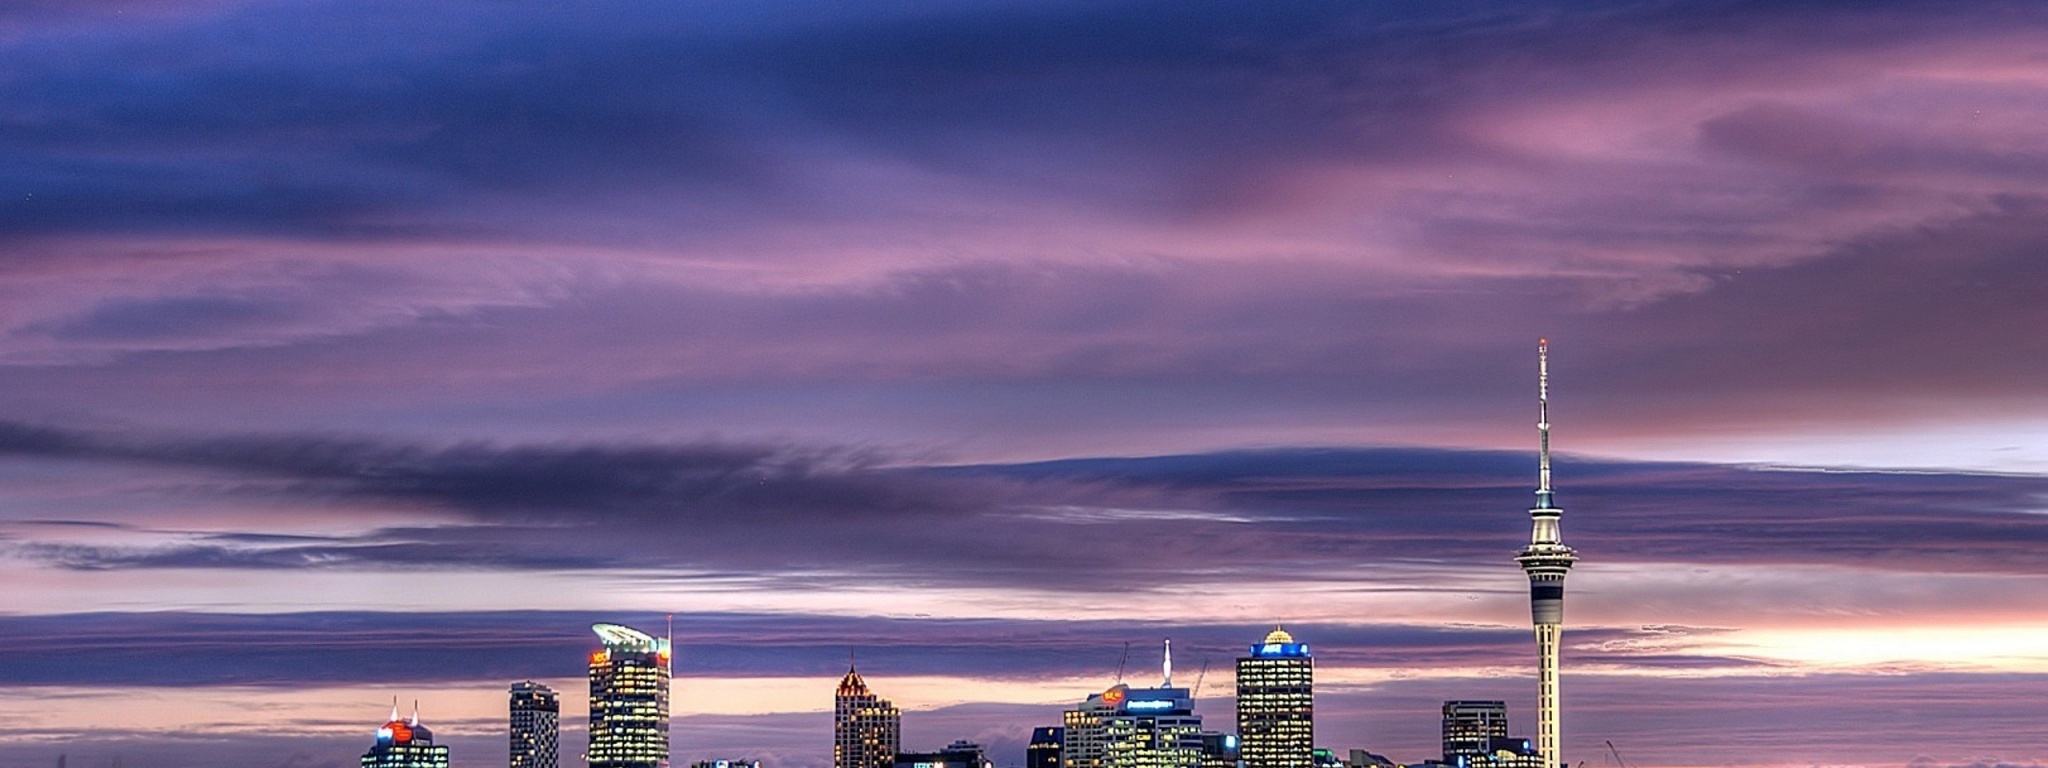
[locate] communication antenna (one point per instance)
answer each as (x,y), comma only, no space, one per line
(1123,660)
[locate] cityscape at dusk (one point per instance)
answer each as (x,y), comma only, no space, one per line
(807,384)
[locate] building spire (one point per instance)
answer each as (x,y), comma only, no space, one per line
(394,710)
(1166,665)
(415,722)
(1543,500)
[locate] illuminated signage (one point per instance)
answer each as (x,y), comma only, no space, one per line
(1148,706)
(1113,696)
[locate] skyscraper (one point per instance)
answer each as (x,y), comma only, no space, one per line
(628,699)
(866,729)
(1469,727)
(1276,704)
(405,744)
(1546,561)
(1127,727)
(959,754)
(536,725)
(1044,750)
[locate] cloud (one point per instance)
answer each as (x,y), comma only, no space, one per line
(797,512)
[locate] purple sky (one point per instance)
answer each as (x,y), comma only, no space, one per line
(352,350)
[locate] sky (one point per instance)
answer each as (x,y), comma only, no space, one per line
(371,350)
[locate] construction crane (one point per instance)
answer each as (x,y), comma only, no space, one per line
(1197,693)
(1120,662)
(1617,755)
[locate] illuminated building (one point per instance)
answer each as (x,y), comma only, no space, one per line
(1546,561)
(959,754)
(628,699)
(1127,727)
(1044,750)
(1276,704)
(1470,726)
(866,728)
(1220,750)
(726,764)
(405,744)
(1325,758)
(536,725)
(1502,752)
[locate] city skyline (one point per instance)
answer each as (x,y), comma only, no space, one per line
(353,349)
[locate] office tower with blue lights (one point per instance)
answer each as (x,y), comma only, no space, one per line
(1127,727)
(629,678)
(536,726)
(1469,726)
(1044,749)
(405,744)
(1276,704)
(1546,561)
(866,729)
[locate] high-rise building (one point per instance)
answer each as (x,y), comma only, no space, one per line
(536,725)
(405,744)
(866,728)
(1044,749)
(629,679)
(1546,561)
(1220,750)
(1470,727)
(1127,727)
(959,754)
(1276,704)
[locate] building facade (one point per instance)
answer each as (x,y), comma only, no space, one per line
(629,679)
(1220,750)
(1471,726)
(726,764)
(1044,751)
(866,728)
(1276,704)
(536,726)
(405,744)
(1127,727)
(959,754)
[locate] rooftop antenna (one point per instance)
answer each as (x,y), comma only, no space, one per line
(394,710)
(415,714)
(1166,665)
(1121,660)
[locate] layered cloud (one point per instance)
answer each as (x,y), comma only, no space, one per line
(1166,227)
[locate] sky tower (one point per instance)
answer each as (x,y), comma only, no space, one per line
(1546,560)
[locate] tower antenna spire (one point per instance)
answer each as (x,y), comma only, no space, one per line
(1543,492)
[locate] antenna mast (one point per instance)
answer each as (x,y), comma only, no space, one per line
(1543,422)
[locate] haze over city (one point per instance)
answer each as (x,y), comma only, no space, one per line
(374,349)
